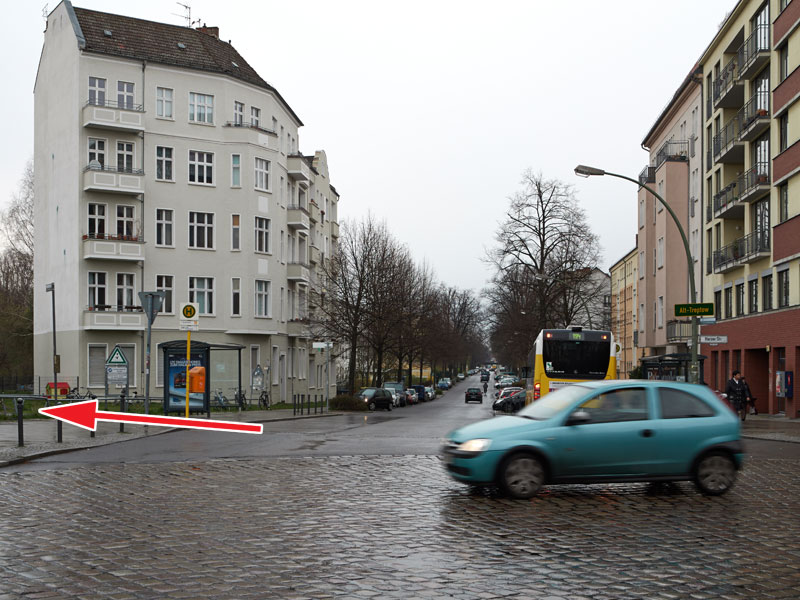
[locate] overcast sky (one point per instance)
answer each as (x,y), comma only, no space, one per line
(430,110)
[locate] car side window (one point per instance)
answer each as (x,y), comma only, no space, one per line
(677,404)
(627,404)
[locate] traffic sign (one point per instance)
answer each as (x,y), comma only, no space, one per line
(321,345)
(117,374)
(698,309)
(117,358)
(713,339)
(151,303)
(189,317)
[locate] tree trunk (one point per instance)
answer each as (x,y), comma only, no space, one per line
(351,366)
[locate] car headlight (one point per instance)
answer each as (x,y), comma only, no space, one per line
(478,445)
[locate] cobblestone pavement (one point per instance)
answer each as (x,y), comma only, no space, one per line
(387,527)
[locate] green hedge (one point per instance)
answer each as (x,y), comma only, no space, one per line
(348,403)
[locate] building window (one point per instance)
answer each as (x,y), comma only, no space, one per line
(97,221)
(262,174)
(97,365)
(784,4)
(766,290)
(660,252)
(125,220)
(728,302)
(641,318)
(125,95)
(718,305)
(274,125)
(97,91)
(235,229)
(164,163)
(125,157)
(201,108)
(739,299)
(125,291)
(164,283)
(655,262)
(255,116)
(783,202)
(660,312)
(262,234)
(97,291)
(641,264)
(201,290)
(236,297)
(236,170)
(238,113)
(164,227)
(783,128)
(164,103)
(783,289)
(753,296)
(262,298)
(201,230)
(97,151)
(201,167)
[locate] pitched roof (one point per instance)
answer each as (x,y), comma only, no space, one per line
(158,43)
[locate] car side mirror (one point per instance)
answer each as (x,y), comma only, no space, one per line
(579,417)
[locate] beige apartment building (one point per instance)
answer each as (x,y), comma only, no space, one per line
(164,162)
(752,221)
(624,281)
(674,171)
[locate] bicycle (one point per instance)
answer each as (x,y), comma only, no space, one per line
(220,399)
(240,398)
(263,400)
(75,394)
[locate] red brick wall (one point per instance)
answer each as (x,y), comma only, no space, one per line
(786,162)
(786,238)
(788,89)
(785,21)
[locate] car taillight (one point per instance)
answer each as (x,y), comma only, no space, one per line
(537,391)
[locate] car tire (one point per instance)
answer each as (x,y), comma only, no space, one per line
(714,473)
(521,475)
(371,406)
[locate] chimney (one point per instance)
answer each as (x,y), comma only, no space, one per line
(212,31)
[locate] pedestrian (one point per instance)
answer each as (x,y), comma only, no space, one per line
(751,402)
(735,392)
(485,387)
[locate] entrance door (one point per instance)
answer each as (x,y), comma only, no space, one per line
(282,375)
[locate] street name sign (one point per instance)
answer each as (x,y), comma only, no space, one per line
(698,309)
(713,339)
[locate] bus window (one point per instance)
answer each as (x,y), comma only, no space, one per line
(575,360)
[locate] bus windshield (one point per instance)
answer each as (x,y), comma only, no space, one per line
(568,359)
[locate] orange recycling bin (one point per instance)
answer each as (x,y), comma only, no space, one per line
(197,380)
(63,389)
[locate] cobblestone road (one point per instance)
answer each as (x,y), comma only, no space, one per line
(387,527)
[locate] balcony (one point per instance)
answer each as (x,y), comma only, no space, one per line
(297,271)
(298,328)
(678,331)
(250,131)
(754,117)
(727,204)
(113,116)
(297,217)
(313,210)
(754,183)
(648,175)
(672,151)
(334,229)
(114,318)
(313,255)
(747,249)
(100,178)
(728,89)
(754,53)
(727,146)
(113,247)
(297,167)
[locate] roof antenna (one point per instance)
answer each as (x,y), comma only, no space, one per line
(44,12)
(187,15)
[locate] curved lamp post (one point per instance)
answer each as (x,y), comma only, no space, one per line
(584,171)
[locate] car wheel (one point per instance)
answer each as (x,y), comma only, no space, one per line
(714,473)
(521,475)
(372,405)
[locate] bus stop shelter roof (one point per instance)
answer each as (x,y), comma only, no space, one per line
(201,345)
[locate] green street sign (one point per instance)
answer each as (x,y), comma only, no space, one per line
(701,309)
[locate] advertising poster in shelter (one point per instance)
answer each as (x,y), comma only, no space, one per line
(175,384)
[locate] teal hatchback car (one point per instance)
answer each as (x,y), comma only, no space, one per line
(600,432)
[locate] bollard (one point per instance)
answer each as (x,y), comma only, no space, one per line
(20,436)
(59,429)
(122,409)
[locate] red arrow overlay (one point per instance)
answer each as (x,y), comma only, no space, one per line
(85,414)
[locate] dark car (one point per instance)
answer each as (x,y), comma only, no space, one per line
(421,395)
(510,404)
(473,395)
(484,375)
(376,398)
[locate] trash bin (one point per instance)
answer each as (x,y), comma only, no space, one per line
(63,389)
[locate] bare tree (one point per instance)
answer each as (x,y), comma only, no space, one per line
(16,222)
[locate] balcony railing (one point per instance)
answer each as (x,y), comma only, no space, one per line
(113,116)
(754,116)
(648,175)
(743,250)
(726,200)
(728,90)
(120,180)
(754,183)
(678,331)
(727,146)
(297,217)
(96,166)
(754,53)
(113,247)
(114,317)
(249,124)
(672,151)
(119,105)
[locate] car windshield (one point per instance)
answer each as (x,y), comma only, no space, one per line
(553,403)
(476,390)
(368,392)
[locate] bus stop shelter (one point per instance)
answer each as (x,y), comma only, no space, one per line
(670,367)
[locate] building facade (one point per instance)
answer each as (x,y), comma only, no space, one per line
(164,162)
(624,279)
(674,171)
(752,227)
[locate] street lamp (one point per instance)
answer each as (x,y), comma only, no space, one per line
(584,171)
(51,288)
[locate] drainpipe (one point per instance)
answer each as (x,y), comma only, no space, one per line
(142,287)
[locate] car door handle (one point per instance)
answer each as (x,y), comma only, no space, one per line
(647,432)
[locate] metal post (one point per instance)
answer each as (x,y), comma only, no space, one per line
(147,365)
(328,378)
(20,434)
(122,409)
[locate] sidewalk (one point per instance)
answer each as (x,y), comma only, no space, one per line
(40,434)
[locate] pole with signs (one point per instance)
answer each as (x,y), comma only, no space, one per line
(189,323)
(151,303)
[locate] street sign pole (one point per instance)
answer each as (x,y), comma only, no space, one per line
(152,302)
(328,380)
(189,322)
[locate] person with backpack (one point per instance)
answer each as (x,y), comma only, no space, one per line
(736,394)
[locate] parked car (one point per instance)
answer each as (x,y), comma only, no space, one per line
(396,397)
(510,404)
(506,391)
(399,390)
(411,396)
(376,398)
(460,377)
(443,385)
(420,389)
(449,382)
(430,393)
(473,394)
(504,382)
(661,431)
